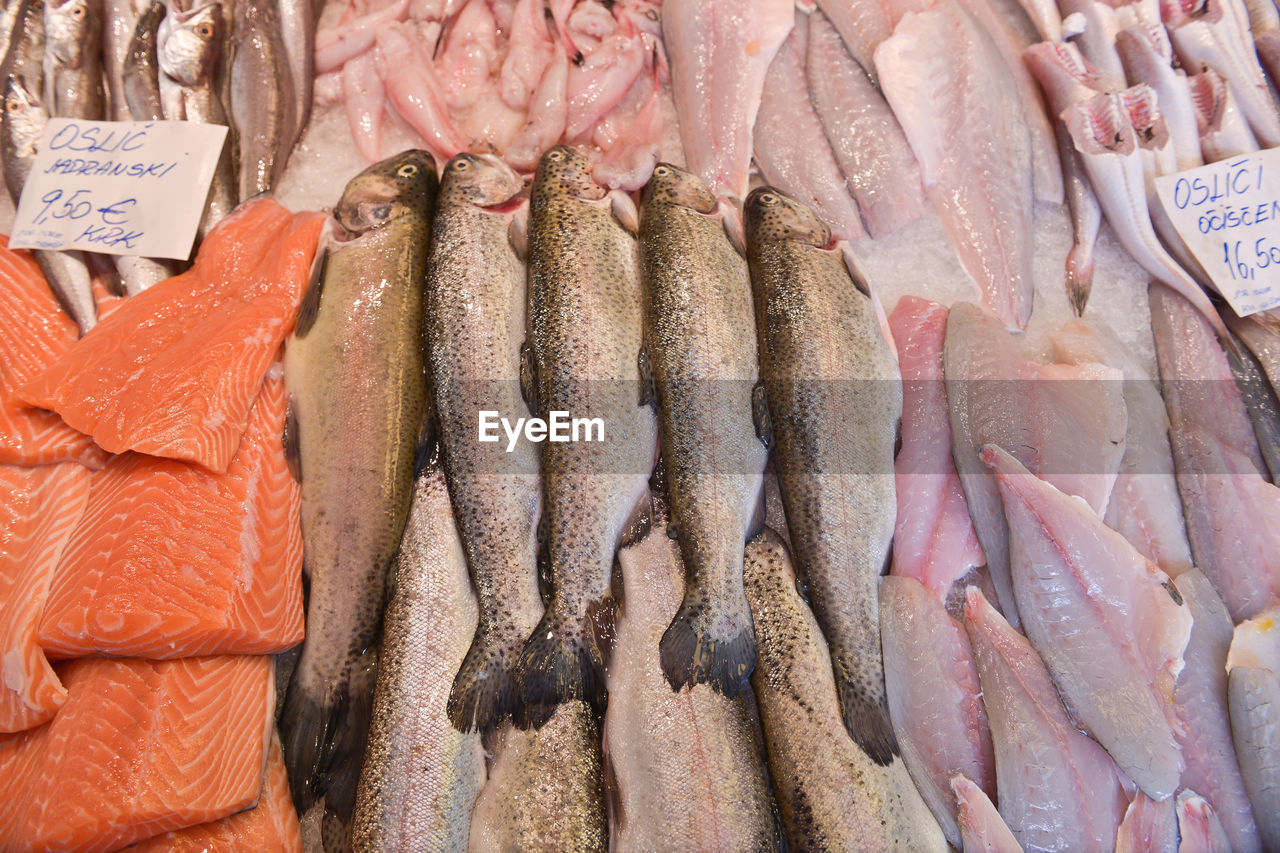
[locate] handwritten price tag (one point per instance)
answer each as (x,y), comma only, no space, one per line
(1228,213)
(124,188)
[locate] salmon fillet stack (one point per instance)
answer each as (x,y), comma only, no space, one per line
(150,546)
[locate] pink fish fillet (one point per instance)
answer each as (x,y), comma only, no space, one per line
(981,827)
(1104,619)
(946,84)
(1148,827)
(934,702)
(866,138)
(1064,422)
(933,541)
(1200,697)
(720,51)
(1058,790)
(863,24)
(414,93)
(1199,828)
(363,96)
(791,147)
(630,137)
(1144,506)
(335,47)
(1232,512)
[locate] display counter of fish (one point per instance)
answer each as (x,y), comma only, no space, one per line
(567,484)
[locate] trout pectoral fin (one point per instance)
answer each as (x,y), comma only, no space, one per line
(310,307)
(624,210)
(529,378)
(760,415)
(289,440)
(648,396)
(518,233)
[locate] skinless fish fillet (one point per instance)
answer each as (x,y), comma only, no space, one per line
(981,827)
(271,825)
(944,79)
(1148,825)
(174,370)
(34,333)
(39,507)
(1199,829)
(1253,673)
(171,560)
(1058,789)
(1106,621)
(139,748)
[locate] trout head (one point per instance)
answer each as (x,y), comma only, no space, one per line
(674,186)
(479,179)
(564,171)
(772,216)
(398,186)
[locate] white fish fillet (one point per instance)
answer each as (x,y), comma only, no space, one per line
(944,79)
(719,52)
(863,24)
(1199,829)
(981,827)
(1146,54)
(1148,827)
(1058,789)
(868,142)
(1103,618)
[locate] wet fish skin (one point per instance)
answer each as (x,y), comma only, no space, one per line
(544,791)
(73,59)
(694,756)
(1255,725)
(981,827)
(142,67)
(262,106)
(25,56)
(298,34)
(823,363)
(831,793)
(586,335)
(476,301)
(1260,402)
(421,776)
(119,23)
(700,340)
(355,375)
(1260,332)
(21,126)
(69,278)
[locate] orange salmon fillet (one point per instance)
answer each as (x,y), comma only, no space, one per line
(173,371)
(270,827)
(34,333)
(39,507)
(172,560)
(139,748)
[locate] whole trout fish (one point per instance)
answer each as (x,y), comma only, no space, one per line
(834,402)
(476,302)
(700,339)
(832,795)
(355,376)
(421,776)
(586,326)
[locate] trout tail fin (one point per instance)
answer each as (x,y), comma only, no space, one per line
(487,687)
(709,642)
(562,660)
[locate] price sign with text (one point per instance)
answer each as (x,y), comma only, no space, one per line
(124,188)
(1228,214)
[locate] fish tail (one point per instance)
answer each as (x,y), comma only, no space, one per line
(709,642)
(487,687)
(561,662)
(1079,277)
(867,719)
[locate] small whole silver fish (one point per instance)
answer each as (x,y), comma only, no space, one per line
(298,34)
(694,756)
(24,56)
(700,341)
(824,365)
(119,24)
(832,795)
(586,325)
(21,126)
(421,776)
(545,789)
(355,375)
(476,304)
(141,72)
(262,103)
(73,59)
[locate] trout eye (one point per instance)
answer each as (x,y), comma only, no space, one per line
(555,156)
(768,198)
(461,165)
(662,171)
(408,170)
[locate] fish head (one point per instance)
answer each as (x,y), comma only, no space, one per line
(24,114)
(72,27)
(675,186)
(773,216)
(480,179)
(192,44)
(566,171)
(387,190)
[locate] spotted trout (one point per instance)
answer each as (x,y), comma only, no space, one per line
(834,402)
(354,371)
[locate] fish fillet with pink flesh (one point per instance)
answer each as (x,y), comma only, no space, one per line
(1104,619)
(720,51)
(1148,827)
(981,827)
(945,81)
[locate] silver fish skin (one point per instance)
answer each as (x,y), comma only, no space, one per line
(120,21)
(1260,403)
(694,756)
(824,364)
(1255,725)
(1260,332)
(141,73)
(262,105)
(8,24)
(545,789)
(24,57)
(355,376)
(701,342)
(73,59)
(298,35)
(21,126)
(476,304)
(69,278)
(831,794)
(421,776)
(586,336)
